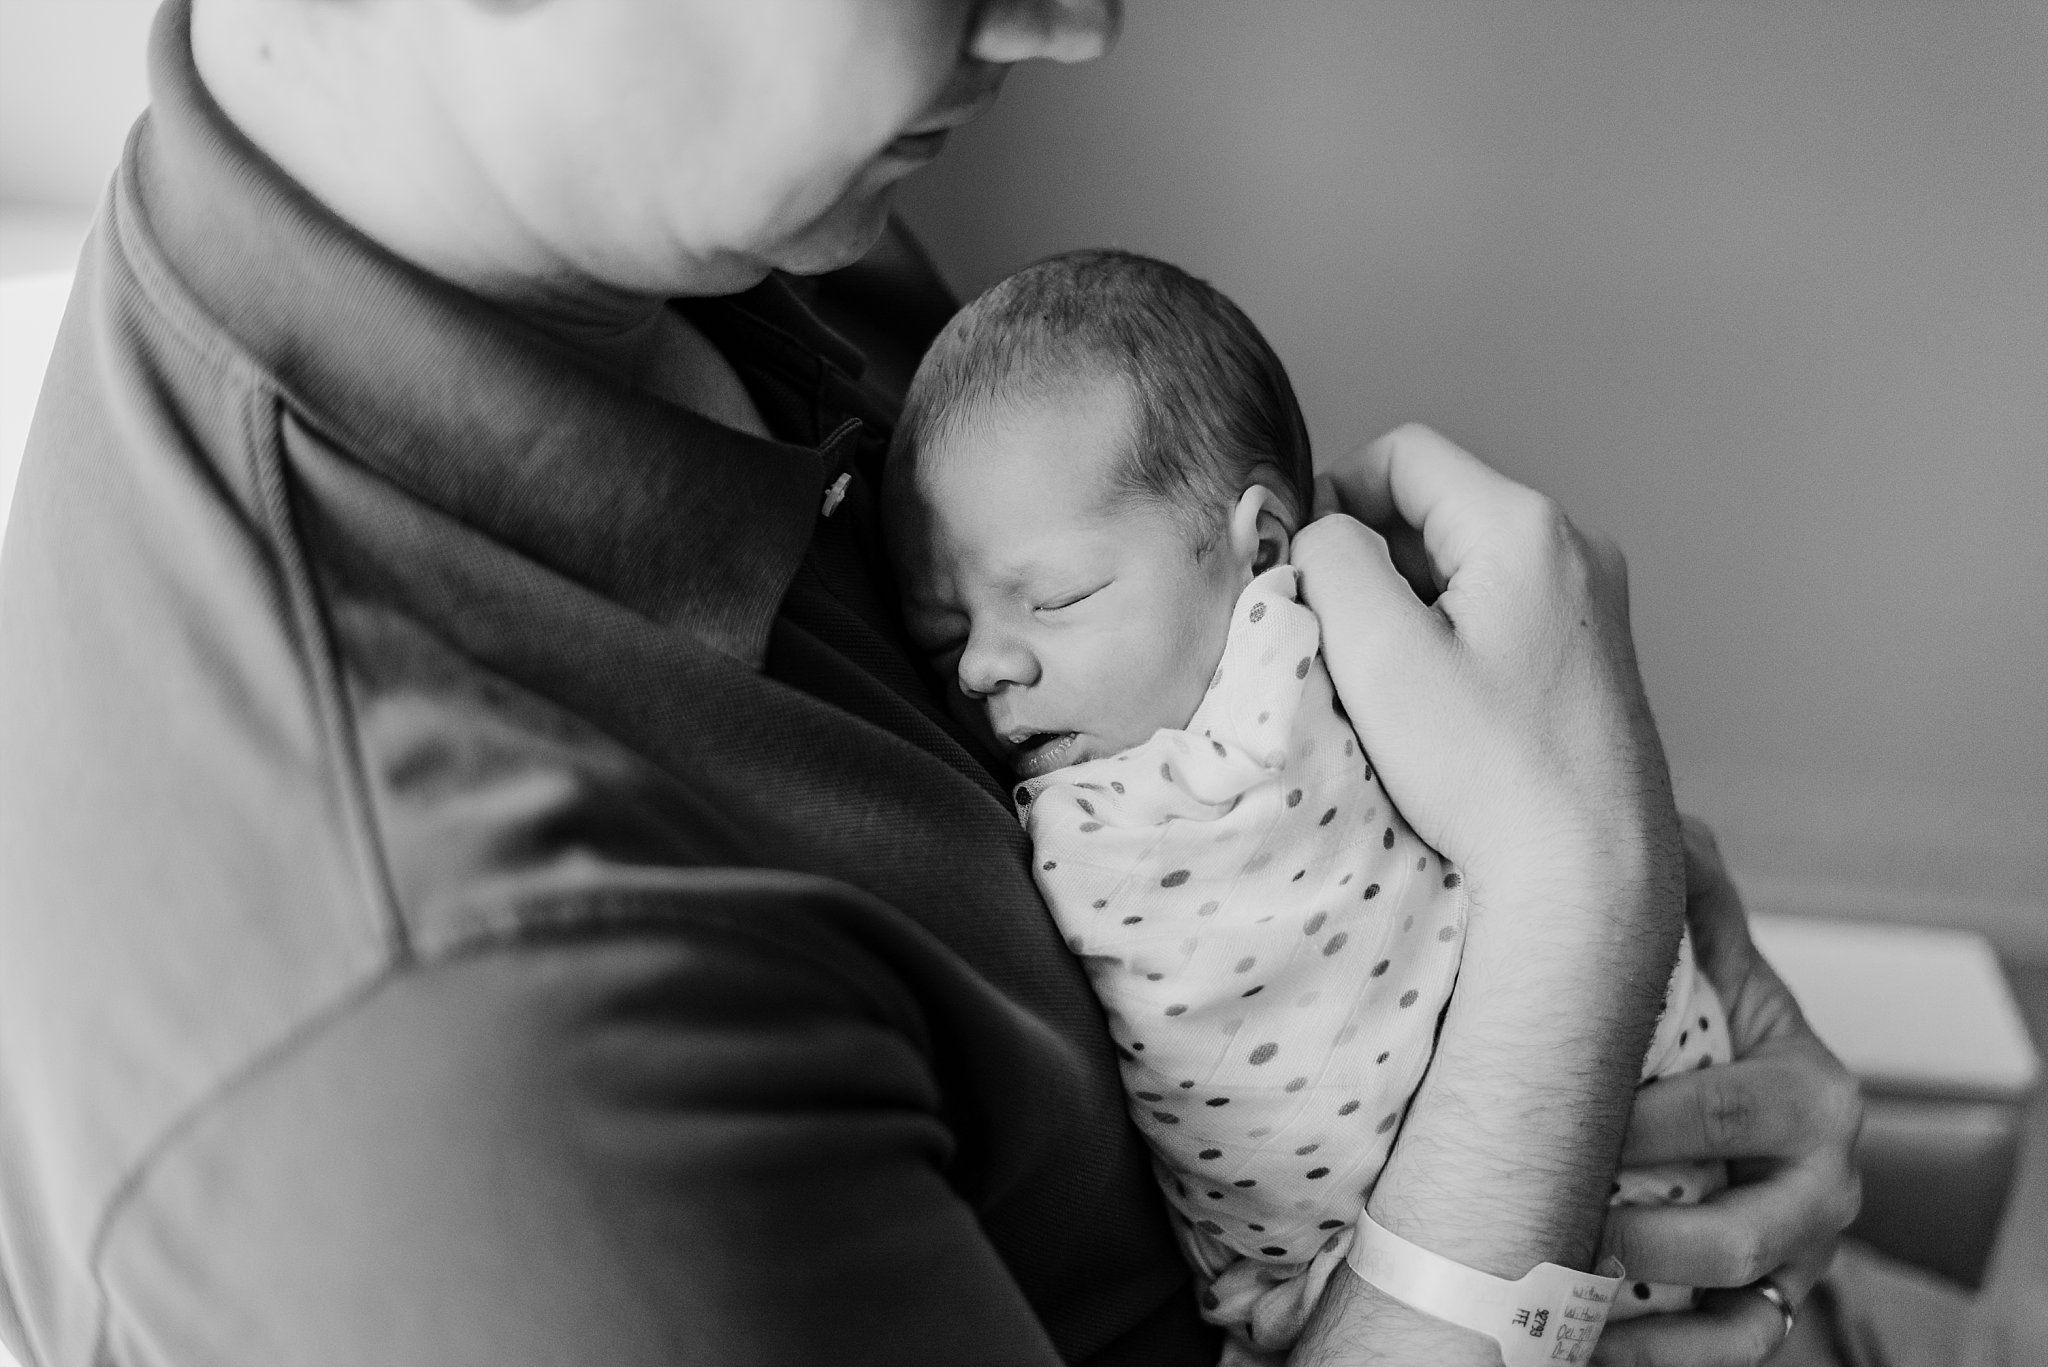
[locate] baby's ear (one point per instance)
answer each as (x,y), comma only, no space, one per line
(1261,533)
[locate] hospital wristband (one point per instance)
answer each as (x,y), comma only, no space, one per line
(1553,1314)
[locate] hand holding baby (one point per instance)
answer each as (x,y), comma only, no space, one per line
(1508,719)
(1521,680)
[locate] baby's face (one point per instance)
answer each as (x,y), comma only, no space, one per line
(1070,630)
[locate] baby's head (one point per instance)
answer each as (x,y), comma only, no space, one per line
(1095,458)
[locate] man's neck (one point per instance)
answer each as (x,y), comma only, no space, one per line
(333,94)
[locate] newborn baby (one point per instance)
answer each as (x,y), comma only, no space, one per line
(1097,476)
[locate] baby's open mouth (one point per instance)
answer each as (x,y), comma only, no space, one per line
(1041,752)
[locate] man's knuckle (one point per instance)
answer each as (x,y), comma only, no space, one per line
(1733,1252)
(1587,568)
(1838,1106)
(1757,1254)
(1746,1256)
(1727,1117)
(1539,518)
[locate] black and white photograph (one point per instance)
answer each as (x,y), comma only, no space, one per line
(1017,683)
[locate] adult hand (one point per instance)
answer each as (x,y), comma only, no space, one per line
(1784,1115)
(1508,722)
(1507,718)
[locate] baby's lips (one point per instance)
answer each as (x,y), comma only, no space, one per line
(1015,740)
(1052,753)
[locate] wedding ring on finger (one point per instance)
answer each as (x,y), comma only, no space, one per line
(1768,1288)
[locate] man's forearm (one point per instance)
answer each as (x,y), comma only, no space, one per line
(1505,1157)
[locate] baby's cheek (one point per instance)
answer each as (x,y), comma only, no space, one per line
(1181,668)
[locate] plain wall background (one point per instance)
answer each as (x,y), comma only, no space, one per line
(1760,289)
(71,81)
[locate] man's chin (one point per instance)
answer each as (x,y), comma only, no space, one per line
(842,237)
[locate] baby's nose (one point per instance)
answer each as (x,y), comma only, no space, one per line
(988,666)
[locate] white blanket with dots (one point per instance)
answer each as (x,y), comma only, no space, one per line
(1273,947)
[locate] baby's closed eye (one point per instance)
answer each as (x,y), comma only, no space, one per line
(1067,600)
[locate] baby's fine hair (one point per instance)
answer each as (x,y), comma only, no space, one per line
(1215,413)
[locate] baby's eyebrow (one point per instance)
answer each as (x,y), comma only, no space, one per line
(1008,580)
(1014,578)
(1022,575)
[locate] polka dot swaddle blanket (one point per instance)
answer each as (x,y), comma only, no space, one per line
(1272,946)
(1271,943)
